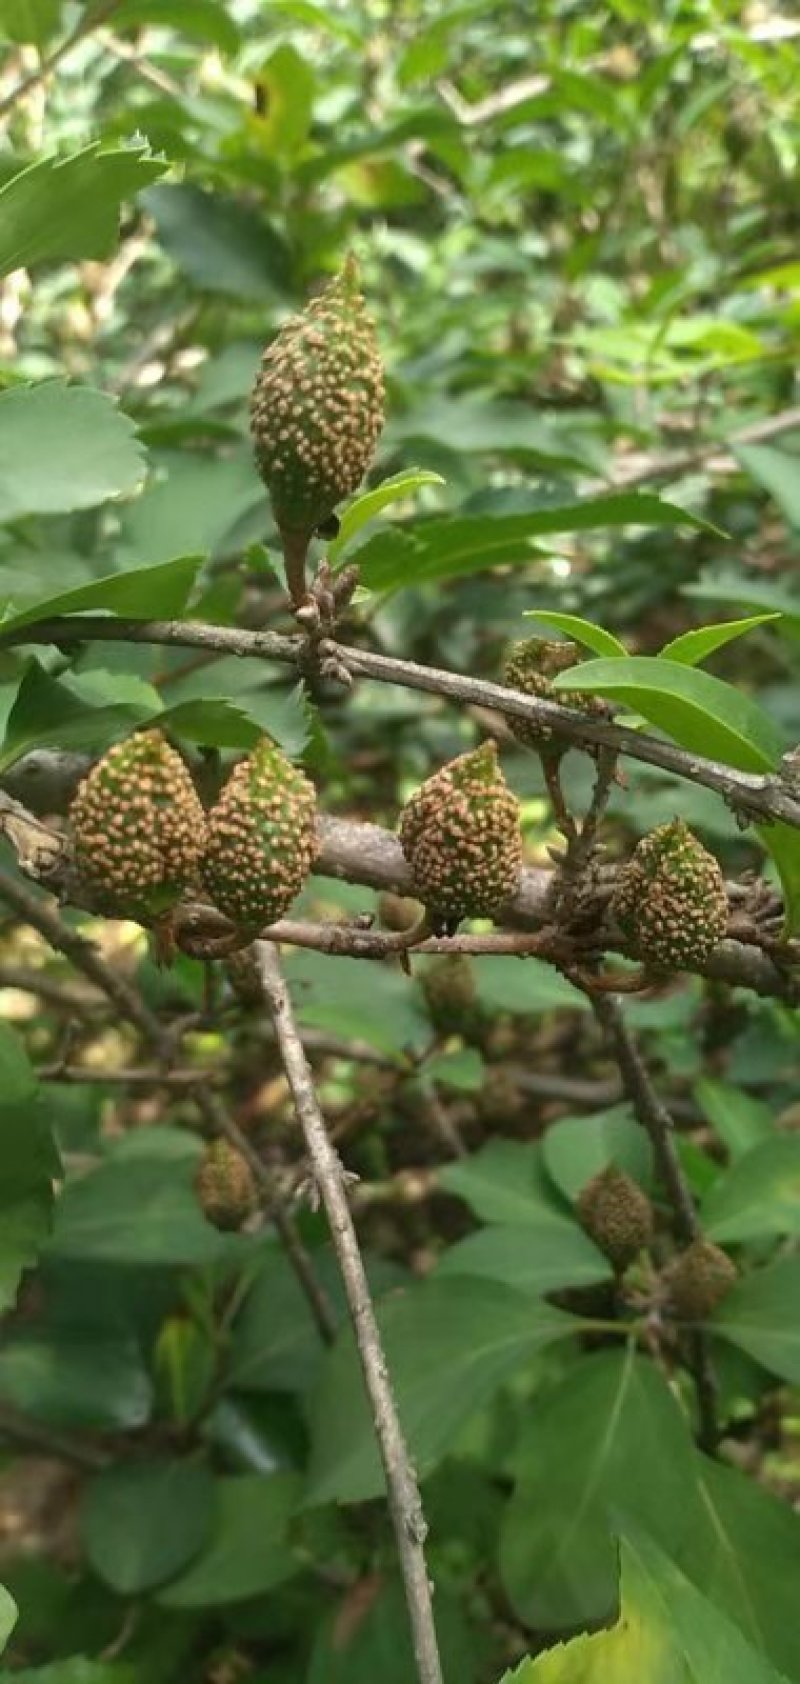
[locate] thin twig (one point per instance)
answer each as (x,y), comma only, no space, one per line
(762,795)
(658,1123)
(51,1441)
(42,915)
(218,1116)
(401,1482)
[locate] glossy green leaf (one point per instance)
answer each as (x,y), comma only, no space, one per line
(576,1148)
(144,593)
(608,1451)
(693,647)
(398,489)
(760,1316)
(758,1195)
(249,1551)
(749,593)
(74,714)
(609,1436)
(667,1633)
(449,1345)
(581,631)
(64,447)
(68,208)
(452,547)
(699,712)
(546,1252)
(143,1522)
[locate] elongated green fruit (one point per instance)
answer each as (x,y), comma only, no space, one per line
(461,836)
(261,838)
(138,828)
(670,899)
(317,406)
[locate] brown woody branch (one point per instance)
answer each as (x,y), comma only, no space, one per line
(403,1492)
(762,796)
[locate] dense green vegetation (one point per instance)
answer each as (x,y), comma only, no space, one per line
(576,230)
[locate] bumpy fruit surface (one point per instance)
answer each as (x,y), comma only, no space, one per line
(616,1214)
(670,899)
(138,828)
(317,405)
(450,994)
(531,666)
(698,1279)
(226,1190)
(261,838)
(461,836)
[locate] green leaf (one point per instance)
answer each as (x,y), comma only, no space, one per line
(693,647)
(249,1552)
(701,713)
(8,1616)
(70,1378)
(760,1315)
(143,1522)
(758,1195)
(607,1452)
(76,1670)
(503,1181)
(667,1633)
(581,631)
(29,20)
(138,1209)
(576,1148)
(740,1120)
(371,1002)
(451,547)
(749,593)
(449,1345)
(546,1252)
(143,593)
(200,20)
(610,1434)
(28,1163)
(371,503)
(64,447)
(376,1644)
(288,84)
(60,714)
(220,244)
(219,723)
(778,471)
(68,208)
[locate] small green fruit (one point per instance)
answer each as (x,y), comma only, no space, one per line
(225,1186)
(698,1279)
(670,899)
(461,836)
(261,839)
(616,1214)
(318,406)
(138,828)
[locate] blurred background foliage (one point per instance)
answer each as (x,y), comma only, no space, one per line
(577,227)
